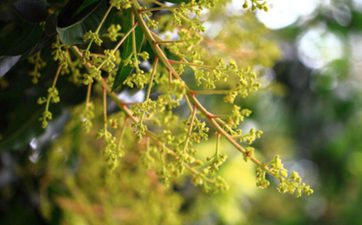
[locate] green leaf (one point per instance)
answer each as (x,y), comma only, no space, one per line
(20,40)
(6,4)
(45,41)
(50,26)
(21,112)
(125,70)
(86,3)
(32,11)
(68,12)
(86,20)
(22,128)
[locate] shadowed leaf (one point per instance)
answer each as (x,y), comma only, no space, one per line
(32,11)
(125,70)
(86,20)
(20,41)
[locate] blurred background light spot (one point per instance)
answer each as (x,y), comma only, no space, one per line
(35,156)
(247,125)
(54,136)
(355,44)
(306,169)
(346,90)
(235,7)
(127,97)
(316,207)
(168,35)
(5,177)
(342,14)
(6,159)
(266,75)
(34,144)
(357,4)
(318,47)
(283,13)
(212,29)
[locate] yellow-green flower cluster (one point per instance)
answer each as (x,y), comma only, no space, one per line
(140,110)
(216,160)
(110,152)
(53,96)
(121,4)
(38,64)
(256,4)
(92,36)
(60,55)
(113,32)
(292,184)
(210,184)
(164,145)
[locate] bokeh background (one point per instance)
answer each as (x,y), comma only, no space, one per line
(309,108)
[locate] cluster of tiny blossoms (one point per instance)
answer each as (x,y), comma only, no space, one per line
(166,145)
(256,4)
(292,184)
(38,64)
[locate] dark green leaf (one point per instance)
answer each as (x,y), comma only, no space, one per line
(6,4)
(41,44)
(51,25)
(125,70)
(68,12)
(86,3)
(20,40)
(31,11)
(86,20)
(22,128)
(20,112)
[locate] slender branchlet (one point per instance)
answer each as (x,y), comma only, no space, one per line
(53,96)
